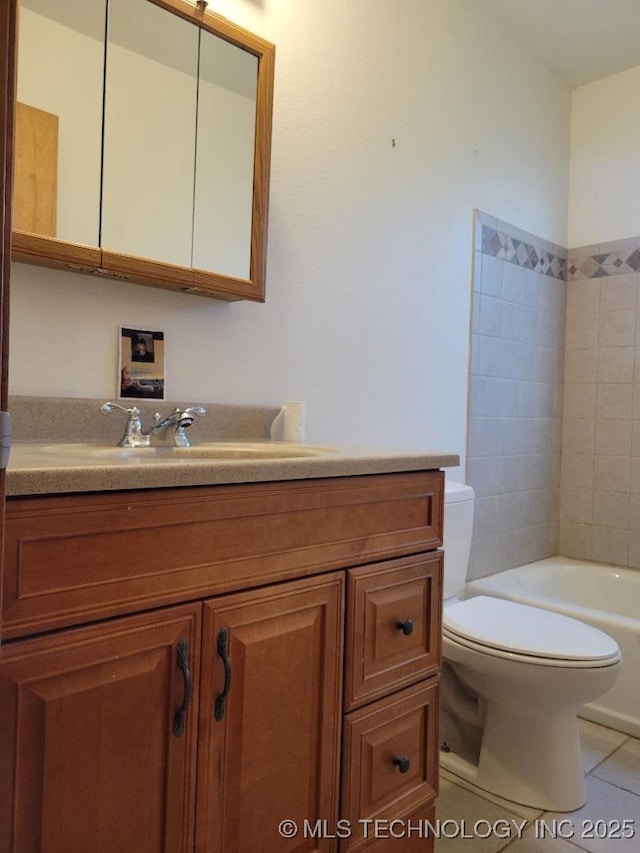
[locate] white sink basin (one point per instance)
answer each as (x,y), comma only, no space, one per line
(89,454)
(212,450)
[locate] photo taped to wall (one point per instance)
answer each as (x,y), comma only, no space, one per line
(141,364)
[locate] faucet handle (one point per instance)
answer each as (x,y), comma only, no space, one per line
(132,436)
(107,408)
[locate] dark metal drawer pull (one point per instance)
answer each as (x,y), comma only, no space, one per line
(402,762)
(406,627)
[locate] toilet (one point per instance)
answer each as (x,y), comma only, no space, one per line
(514,677)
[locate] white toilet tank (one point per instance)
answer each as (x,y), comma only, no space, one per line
(458,528)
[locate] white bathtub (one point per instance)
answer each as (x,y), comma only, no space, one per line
(607,597)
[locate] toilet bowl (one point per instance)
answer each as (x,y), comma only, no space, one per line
(514,677)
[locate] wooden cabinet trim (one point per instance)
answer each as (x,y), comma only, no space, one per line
(55,253)
(71,559)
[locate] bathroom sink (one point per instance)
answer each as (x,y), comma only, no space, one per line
(212,450)
(89,454)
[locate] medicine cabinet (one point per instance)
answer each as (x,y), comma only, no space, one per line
(142,144)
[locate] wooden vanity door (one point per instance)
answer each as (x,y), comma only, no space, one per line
(272,753)
(88,759)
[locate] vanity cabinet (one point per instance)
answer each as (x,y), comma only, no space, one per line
(185,668)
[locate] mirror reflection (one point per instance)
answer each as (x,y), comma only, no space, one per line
(59,119)
(224,160)
(137,136)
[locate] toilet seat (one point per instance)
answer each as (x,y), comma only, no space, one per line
(518,631)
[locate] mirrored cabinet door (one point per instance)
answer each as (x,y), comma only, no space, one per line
(151,88)
(223,200)
(59,119)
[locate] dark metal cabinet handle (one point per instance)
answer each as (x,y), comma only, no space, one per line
(406,627)
(182,658)
(223,651)
(402,762)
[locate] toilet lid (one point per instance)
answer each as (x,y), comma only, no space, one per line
(521,629)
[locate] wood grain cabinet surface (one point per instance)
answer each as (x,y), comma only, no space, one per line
(272,752)
(394,618)
(184,669)
(88,754)
(389,770)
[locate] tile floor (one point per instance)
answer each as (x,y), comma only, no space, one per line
(486,824)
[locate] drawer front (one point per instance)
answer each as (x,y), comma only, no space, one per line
(390,761)
(393,633)
(413,834)
(75,558)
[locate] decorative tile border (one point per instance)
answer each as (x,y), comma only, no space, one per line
(602,264)
(520,250)
(507,243)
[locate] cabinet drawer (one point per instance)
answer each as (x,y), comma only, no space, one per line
(74,558)
(412,834)
(393,638)
(389,768)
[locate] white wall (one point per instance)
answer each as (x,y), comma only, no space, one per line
(370,245)
(603,187)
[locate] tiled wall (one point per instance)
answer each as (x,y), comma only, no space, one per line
(554,407)
(600,497)
(516,389)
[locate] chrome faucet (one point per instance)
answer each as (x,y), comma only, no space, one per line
(166,432)
(171,430)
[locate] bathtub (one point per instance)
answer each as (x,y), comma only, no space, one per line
(607,597)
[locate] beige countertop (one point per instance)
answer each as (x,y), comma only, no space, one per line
(64,445)
(56,468)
